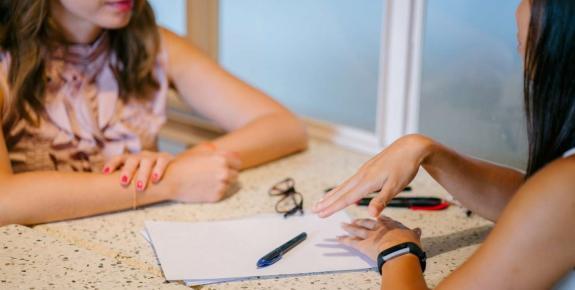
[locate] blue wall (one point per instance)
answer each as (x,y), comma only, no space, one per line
(319,57)
(171,14)
(471,90)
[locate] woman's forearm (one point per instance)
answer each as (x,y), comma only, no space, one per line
(266,138)
(402,273)
(483,187)
(39,197)
(260,128)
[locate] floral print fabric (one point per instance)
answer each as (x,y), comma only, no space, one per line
(84,122)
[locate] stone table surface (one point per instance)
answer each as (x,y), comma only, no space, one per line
(108,251)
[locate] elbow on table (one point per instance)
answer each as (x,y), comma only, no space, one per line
(300,136)
(6,217)
(294,130)
(11,216)
(4,221)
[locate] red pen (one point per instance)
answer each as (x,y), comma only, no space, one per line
(413,203)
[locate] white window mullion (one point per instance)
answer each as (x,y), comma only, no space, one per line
(400,63)
(414,92)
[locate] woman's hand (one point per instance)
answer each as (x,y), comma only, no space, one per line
(371,237)
(202,176)
(142,168)
(388,172)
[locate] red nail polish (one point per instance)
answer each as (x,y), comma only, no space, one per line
(124,179)
(106,170)
(140,185)
(155,177)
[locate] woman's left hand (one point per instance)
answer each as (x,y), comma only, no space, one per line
(141,168)
(371,236)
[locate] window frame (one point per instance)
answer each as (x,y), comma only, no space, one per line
(400,59)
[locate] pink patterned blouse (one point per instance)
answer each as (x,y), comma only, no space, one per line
(85,122)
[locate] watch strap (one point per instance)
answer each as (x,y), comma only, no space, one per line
(400,250)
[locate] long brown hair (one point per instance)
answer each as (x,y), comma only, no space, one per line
(27,32)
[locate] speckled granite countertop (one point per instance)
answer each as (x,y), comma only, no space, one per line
(108,251)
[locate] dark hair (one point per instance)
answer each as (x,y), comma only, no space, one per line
(27,30)
(549,81)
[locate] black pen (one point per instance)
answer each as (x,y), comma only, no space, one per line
(277,254)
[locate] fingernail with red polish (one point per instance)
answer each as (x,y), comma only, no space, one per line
(155,177)
(140,185)
(106,170)
(124,179)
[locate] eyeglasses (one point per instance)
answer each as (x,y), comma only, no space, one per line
(291,201)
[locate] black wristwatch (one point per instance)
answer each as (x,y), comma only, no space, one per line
(400,250)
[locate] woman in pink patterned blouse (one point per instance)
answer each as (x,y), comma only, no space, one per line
(83,88)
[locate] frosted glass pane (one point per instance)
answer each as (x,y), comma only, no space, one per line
(471,91)
(320,57)
(171,14)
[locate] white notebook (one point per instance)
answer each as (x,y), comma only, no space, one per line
(219,251)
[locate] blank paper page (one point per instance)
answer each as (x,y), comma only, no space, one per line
(230,249)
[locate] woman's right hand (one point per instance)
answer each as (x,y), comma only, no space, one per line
(388,172)
(202,176)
